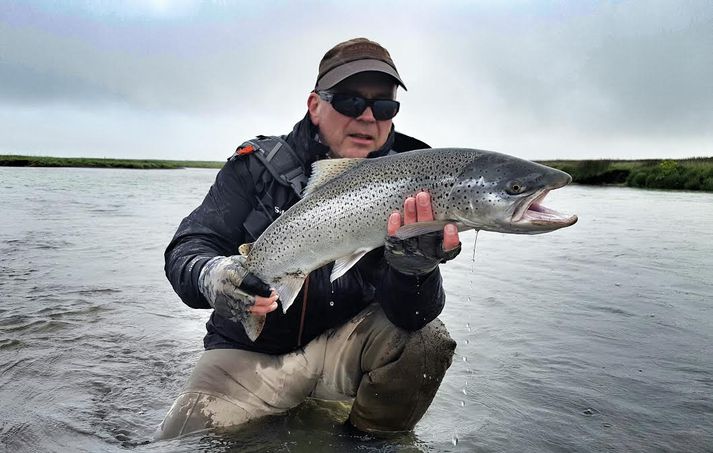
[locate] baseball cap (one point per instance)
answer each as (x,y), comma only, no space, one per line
(352,57)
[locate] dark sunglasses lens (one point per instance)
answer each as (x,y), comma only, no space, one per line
(385,109)
(353,106)
(349,105)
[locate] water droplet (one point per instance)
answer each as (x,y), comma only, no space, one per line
(467,326)
(467,341)
(416,312)
(454,440)
(425,375)
(465,359)
(331,303)
(464,392)
(462,403)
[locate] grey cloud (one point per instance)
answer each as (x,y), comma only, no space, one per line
(630,68)
(179,65)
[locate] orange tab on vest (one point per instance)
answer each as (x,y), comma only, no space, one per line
(244,150)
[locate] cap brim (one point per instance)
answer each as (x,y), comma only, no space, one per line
(340,73)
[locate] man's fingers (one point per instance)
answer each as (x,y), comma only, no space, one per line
(450,237)
(264,305)
(262,309)
(410,215)
(394,223)
(424,211)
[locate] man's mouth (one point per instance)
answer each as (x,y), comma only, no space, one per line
(366,137)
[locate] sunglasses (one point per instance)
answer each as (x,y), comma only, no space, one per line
(353,106)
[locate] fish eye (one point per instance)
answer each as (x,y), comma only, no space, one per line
(515,187)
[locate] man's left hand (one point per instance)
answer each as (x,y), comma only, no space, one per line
(421,254)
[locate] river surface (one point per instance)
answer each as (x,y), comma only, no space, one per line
(593,338)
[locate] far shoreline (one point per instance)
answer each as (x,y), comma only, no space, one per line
(694,174)
(97,162)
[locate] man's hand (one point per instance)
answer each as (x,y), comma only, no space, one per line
(234,292)
(419,255)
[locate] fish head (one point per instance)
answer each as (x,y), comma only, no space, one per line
(502,193)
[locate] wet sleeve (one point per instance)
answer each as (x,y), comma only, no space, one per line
(214,228)
(410,302)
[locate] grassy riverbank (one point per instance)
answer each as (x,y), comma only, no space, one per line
(680,174)
(144,164)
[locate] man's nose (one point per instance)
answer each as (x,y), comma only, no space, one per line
(367,115)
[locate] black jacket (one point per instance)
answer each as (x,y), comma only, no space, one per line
(216,228)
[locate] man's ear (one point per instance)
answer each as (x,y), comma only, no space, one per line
(313,107)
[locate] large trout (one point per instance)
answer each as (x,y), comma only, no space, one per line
(346,203)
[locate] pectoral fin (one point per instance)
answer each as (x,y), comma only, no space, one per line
(343,264)
(419,228)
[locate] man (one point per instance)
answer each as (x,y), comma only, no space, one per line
(371,336)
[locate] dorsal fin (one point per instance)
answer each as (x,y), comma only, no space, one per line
(327,169)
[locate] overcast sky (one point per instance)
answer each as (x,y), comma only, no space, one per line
(189,79)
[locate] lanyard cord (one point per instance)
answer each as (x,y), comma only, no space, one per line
(305,287)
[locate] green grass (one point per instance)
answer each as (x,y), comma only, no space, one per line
(682,174)
(146,164)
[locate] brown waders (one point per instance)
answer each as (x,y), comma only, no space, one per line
(391,376)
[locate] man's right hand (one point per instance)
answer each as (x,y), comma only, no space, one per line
(233,291)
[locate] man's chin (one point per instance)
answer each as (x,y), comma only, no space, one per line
(353,151)
(358,148)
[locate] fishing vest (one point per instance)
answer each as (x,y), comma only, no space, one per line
(278,182)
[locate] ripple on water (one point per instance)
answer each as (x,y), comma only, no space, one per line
(16,435)
(83,314)
(7,344)
(18,366)
(40,326)
(611,310)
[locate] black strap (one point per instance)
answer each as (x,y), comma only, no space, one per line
(287,171)
(283,163)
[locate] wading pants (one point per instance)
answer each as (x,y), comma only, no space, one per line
(389,374)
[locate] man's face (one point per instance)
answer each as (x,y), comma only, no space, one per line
(347,136)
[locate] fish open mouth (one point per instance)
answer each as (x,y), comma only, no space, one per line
(533,212)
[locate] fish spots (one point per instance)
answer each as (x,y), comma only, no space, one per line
(352,208)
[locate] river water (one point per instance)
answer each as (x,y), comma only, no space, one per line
(593,338)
